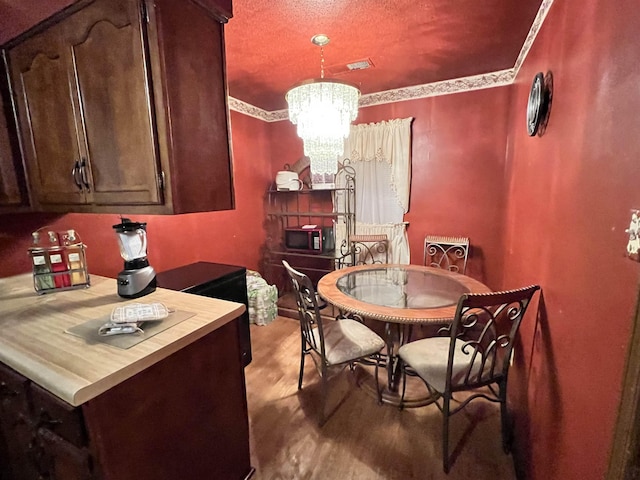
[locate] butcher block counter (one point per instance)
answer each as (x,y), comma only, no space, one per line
(75,409)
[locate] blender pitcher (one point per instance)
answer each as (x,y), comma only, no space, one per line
(138,278)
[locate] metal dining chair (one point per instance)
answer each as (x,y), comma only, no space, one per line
(449,253)
(365,250)
(369,249)
(474,356)
(334,344)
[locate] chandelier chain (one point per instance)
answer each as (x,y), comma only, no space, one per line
(323,111)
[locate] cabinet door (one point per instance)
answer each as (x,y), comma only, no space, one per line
(57,416)
(44,98)
(107,44)
(19,455)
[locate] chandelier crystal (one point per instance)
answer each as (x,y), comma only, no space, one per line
(323,110)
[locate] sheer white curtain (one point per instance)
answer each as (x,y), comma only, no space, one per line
(380,154)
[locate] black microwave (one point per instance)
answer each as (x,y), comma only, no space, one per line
(309,239)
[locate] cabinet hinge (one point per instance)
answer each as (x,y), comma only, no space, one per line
(161,181)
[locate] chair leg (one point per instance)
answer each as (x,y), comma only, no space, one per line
(404,384)
(378,392)
(504,418)
(302,354)
(445,432)
(325,393)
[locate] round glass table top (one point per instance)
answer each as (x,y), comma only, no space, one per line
(399,287)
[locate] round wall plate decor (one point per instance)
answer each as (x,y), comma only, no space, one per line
(535,105)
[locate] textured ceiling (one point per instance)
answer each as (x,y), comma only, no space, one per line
(410,42)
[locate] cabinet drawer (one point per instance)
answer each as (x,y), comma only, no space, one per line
(57,416)
(63,460)
(13,393)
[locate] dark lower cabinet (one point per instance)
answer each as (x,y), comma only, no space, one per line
(21,458)
(42,436)
(183,417)
(215,280)
(58,459)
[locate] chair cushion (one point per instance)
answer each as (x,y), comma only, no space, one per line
(429,357)
(347,340)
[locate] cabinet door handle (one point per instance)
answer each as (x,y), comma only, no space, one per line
(83,175)
(50,423)
(45,420)
(74,173)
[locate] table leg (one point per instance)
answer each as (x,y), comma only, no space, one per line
(365,380)
(396,335)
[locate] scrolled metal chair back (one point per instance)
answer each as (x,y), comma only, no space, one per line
(308,309)
(448,253)
(369,249)
(486,325)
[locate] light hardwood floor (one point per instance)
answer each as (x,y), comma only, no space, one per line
(361,440)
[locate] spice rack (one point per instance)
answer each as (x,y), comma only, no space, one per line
(59,262)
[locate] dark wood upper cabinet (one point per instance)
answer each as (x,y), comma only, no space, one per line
(122,107)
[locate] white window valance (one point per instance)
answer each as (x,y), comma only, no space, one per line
(380,155)
(387,141)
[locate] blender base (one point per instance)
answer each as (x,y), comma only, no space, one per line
(136,283)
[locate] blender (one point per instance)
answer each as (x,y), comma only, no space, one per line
(138,277)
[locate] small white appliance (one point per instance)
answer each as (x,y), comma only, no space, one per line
(288,180)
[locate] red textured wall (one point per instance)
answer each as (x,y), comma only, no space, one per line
(232,237)
(286,147)
(569,199)
(458,170)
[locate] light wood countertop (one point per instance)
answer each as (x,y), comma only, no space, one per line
(33,342)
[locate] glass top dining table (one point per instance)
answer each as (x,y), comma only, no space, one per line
(398,293)
(400,296)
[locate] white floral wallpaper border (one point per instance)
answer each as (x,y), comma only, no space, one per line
(465,84)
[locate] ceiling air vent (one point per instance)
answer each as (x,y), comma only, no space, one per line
(349,67)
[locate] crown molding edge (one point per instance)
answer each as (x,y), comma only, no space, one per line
(545,6)
(458,85)
(445,87)
(256,112)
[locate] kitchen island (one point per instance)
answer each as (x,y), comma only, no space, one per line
(173,406)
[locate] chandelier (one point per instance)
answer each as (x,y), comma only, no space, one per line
(323,110)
